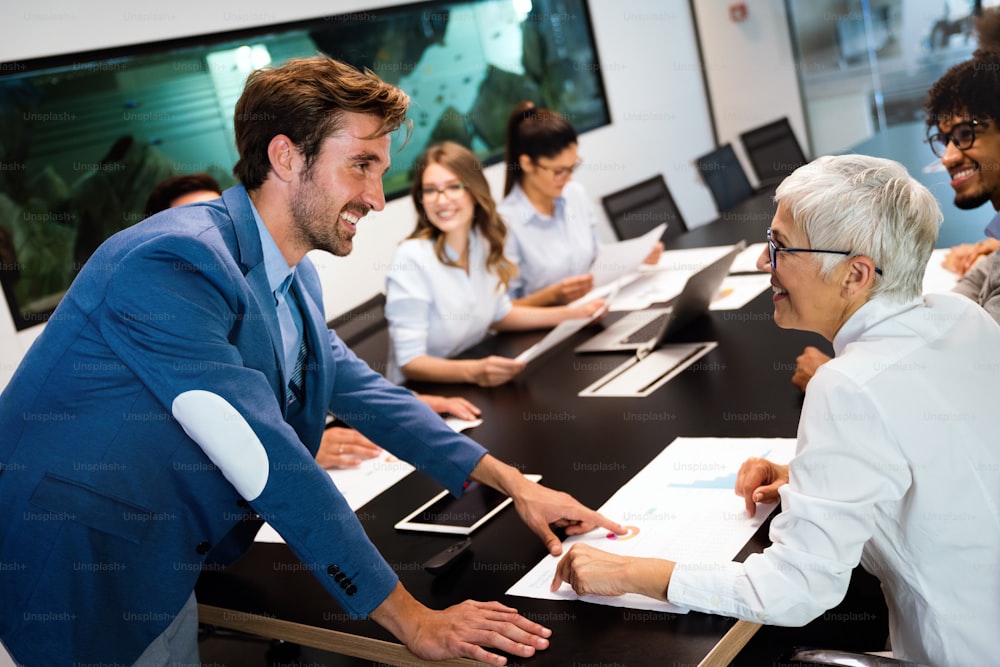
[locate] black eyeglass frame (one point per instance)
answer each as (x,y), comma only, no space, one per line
(560,172)
(773,250)
(939,141)
(451,192)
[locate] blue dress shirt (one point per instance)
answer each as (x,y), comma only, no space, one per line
(279,278)
(546,248)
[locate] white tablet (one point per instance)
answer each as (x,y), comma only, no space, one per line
(460,516)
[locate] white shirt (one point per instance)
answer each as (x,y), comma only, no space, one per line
(898,466)
(546,248)
(438,310)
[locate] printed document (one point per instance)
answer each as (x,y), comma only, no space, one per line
(681,507)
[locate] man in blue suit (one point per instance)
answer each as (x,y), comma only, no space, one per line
(181,388)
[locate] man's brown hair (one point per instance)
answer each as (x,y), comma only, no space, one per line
(304,99)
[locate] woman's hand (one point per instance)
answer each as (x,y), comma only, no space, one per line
(591,571)
(494,370)
(654,255)
(344,447)
(456,406)
(570,289)
(758,481)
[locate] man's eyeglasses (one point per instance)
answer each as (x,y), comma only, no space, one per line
(773,250)
(451,192)
(560,172)
(962,135)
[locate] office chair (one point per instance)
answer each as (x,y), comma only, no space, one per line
(639,208)
(810,656)
(723,174)
(365,330)
(773,151)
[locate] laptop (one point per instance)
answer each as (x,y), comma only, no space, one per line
(642,331)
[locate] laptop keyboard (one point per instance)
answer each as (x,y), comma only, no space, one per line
(647,331)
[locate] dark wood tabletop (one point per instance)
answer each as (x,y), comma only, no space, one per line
(588,447)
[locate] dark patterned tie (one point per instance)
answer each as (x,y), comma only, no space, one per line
(295,384)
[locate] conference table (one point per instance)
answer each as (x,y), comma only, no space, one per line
(588,447)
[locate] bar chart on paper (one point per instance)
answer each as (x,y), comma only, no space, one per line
(681,506)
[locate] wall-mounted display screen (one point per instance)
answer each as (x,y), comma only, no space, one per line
(85,137)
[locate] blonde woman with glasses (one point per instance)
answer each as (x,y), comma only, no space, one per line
(447,285)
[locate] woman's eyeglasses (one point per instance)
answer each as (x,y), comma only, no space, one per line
(560,172)
(773,250)
(451,192)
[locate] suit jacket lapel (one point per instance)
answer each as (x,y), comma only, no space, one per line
(309,421)
(251,258)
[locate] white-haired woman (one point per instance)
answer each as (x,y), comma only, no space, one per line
(897,465)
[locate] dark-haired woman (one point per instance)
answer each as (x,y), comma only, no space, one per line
(551,221)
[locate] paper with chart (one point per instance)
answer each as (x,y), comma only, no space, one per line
(681,506)
(372,477)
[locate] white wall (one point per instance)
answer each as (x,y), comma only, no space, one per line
(750,68)
(651,72)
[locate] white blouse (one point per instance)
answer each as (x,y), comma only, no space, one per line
(897,467)
(439,310)
(546,248)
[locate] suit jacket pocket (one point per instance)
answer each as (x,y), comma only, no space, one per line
(74,501)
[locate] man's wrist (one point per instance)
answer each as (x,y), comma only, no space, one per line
(399,613)
(494,473)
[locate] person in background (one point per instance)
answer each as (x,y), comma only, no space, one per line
(551,221)
(896,464)
(962,257)
(342,446)
(178,396)
(180,190)
(447,286)
(963,112)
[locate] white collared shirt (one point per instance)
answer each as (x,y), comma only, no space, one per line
(438,310)
(545,248)
(898,466)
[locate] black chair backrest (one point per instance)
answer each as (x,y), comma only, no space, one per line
(773,151)
(365,330)
(641,207)
(723,174)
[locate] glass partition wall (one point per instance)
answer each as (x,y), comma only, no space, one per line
(866,65)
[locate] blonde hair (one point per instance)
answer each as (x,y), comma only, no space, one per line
(460,161)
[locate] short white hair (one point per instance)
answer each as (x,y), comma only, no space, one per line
(869,206)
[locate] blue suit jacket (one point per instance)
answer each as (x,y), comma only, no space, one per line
(147,425)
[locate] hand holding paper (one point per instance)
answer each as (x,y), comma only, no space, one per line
(618,259)
(562,331)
